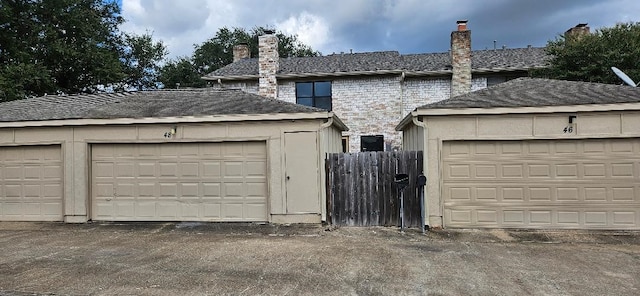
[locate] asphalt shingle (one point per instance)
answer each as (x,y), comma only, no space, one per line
(538,92)
(157,103)
(513,59)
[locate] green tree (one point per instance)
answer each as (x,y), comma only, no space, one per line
(217,52)
(180,71)
(70,46)
(589,57)
(141,57)
(64,46)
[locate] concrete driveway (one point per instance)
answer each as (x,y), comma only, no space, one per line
(215,259)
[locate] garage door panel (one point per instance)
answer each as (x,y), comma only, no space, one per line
(233,190)
(626,218)
(542,183)
(256,190)
(212,211)
(232,211)
(12,173)
(540,194)
(538,217)
(211,190)
(146,169)
(124,209)
(555,193)
(167,210)
(103,170)
(124,170)
(512,217)
(487,216)
(623,193)
(570,218)
(623,147)
(51,172)
(182,182)
(190,190)
(168,169)
(565,194)
(254,211)
(256,168)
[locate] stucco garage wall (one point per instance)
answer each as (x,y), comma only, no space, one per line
(76,144)
(587,125)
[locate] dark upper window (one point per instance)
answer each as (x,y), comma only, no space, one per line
(314,94)
(493,80)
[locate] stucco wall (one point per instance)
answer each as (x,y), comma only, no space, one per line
(513,127)
(76,144)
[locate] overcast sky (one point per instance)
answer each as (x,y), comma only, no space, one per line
(407,26)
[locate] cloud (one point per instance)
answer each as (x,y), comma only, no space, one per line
(168,17)
(408,26)
(310,29)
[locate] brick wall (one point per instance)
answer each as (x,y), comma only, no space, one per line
(461,60)
(421,91)
(287,91)
(248,86)
(268,64)
(373,105)
(478,83)
(241,51)
(369,106)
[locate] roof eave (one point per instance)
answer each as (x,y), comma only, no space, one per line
(175,120)
(524,110)
(406,120)
(504,69)
(408,73)
(230,77)
(338,122)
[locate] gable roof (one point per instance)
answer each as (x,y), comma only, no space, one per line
(146,104)
(538,92)
(386,62)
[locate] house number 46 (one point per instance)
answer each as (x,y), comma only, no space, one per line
(568,129)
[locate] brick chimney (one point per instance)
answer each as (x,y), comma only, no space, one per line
(241,51)
(578,31)
(268,64)
(461,60)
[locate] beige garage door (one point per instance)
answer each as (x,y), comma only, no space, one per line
(31,183)
(179,182)
(542,184)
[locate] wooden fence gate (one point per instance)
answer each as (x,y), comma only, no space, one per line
(361,190)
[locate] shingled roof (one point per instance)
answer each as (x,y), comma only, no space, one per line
(144,104)
(387,62)
(538,92)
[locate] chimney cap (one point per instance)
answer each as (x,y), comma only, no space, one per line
(462,25)
(269,31)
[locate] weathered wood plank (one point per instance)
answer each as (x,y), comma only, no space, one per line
(362,192)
